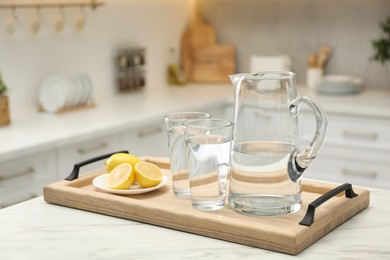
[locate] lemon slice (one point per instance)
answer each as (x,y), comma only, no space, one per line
(121,177)
(147,174)
(120,158)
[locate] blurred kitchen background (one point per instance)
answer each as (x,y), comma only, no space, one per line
(297,28)
(255,27)
(26,59)
(82,88)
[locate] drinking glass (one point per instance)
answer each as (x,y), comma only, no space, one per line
(208,157)
(174,124)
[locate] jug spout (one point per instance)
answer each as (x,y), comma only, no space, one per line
(236,78)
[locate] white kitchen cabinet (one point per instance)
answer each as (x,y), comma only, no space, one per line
(69,155)
(341,164)
(150,139)
(351,130)
(356,149)
(216,111)
(228,112)
(24,178)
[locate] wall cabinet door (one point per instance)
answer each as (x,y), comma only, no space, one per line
(356,131)
(228,112)
(148,140)
(341,164)
(24,178)
(217,112)
(356,150)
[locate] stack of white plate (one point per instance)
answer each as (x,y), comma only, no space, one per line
(61,93)
(339,84)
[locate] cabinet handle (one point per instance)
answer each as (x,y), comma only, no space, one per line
(367,174)
(4,205)
(92,148)
(150,132)
(360,135)
(28,171)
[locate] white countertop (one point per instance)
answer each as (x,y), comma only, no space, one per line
(38,230)
(32,131)
(369,102)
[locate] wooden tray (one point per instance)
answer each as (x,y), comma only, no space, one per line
(162,208)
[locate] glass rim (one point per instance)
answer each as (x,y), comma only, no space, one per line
(270,75)
(190,124)
(180,116)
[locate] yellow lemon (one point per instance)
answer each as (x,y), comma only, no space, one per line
(147,174)
(121,177)
(119,158)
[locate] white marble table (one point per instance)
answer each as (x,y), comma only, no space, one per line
(38,230)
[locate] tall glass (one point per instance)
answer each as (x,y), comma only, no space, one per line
(208,156)
(174,124)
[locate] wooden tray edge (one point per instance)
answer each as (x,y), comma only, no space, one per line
(63,193)
(364,201)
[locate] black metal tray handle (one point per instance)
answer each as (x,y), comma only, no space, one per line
(76,168)
(308,219)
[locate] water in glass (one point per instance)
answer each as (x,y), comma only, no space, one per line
(178,162)
(208,163)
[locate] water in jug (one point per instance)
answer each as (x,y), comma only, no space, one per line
(267,163)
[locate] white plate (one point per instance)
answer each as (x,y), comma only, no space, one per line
(71,99)
(80,89)
(100,183)
(53,93)
(88,85)
(339,84)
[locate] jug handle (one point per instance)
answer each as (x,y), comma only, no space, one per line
(300,160)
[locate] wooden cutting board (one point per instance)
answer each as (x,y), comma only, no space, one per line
(203,35)
(213,64)
(162,208)
(202,58)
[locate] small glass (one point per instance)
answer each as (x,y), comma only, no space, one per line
(208,157)
(174,124)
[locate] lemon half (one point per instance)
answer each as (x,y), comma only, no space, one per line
(121,177)
(147,174)
(119,158)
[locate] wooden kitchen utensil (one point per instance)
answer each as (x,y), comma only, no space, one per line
(203,35)
(314,72)
(289,234)
(4,111)
(312,60)
(186,53)
(324,56)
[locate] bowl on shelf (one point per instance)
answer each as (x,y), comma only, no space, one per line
(339,84)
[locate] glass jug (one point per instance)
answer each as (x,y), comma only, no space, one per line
(267,162)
